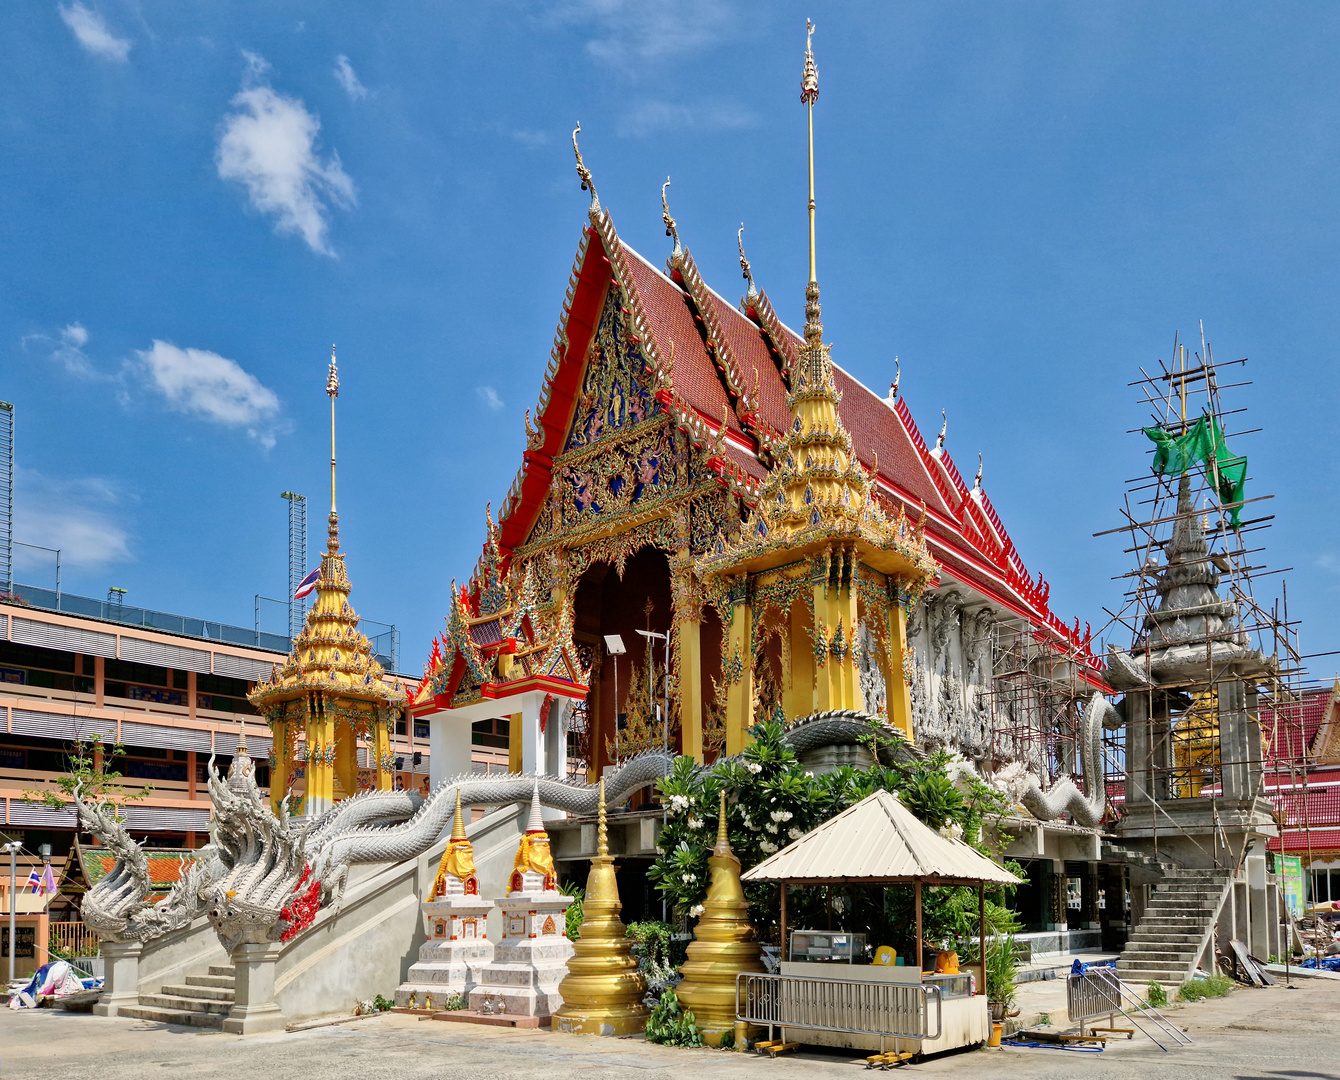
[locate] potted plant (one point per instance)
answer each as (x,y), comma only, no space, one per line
(1001,970)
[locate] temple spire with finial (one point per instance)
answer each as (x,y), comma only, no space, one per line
(587,183)
(671,230)
(751,296)
(333,391)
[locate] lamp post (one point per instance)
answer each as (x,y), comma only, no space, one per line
(13,848)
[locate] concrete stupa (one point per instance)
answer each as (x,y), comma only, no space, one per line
(531,958)
(454,919)
(603,991)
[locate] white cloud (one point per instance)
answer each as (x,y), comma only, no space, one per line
(91,31)
(77,516)
(344,75)
(206,384)
(270,146)
(489,397)
(629,35)
(67,349)
(650,117)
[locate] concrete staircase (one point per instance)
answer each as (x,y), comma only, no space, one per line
(201,1001)
(1177,925)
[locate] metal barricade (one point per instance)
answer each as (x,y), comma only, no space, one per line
(889,1010)
(1091,995)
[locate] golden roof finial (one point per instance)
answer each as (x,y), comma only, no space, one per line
(752,294)
(333,391)
(603,840)
(670,229)
(587,183)
(809,94)
(458,826)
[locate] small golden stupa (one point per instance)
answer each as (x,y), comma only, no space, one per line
(602,992)
(456,872)
(724,945)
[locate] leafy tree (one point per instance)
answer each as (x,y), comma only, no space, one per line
(772,800)
(93,776)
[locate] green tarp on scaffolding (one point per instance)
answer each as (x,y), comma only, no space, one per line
(1203,443)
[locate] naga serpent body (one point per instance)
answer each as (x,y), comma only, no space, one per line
(264,876)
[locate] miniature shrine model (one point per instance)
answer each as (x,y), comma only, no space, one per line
(531,957)
(454,917)
(826,992)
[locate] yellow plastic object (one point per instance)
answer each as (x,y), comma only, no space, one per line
(886,955)
(994,1041)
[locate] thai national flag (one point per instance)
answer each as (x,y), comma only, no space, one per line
(49,881)
(34,882)
(307,585)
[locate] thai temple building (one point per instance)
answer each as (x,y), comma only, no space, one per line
(695,468)
(714,523)
(330,693)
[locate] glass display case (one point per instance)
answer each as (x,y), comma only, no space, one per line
(827,947)
(951,986)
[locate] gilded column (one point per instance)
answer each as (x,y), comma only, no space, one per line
(686,596)
(280,758)
(897,692)
(345,773)
(848,672)
(798,691)
(825,621)
(514,735)
(320,760)
(738,667)
(382,759)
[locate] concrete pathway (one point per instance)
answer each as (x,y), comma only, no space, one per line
(1271,1034)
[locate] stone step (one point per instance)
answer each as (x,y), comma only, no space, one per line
(222,969)
(171,1016)
(1163,956)
(203,993)
(222,981)
(1153,937)
(173,1003)
(1163,896)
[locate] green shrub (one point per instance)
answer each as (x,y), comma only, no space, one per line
(1212,986)
(670,1025)
(1001,971)
(574,916)
(382,1004)
(651,946)
(1156,995)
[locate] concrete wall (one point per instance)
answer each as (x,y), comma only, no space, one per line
(188,951)
(366,947)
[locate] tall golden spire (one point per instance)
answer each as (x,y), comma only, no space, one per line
(809,94)
(333,391)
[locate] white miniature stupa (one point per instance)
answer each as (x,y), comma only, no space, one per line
(532,957)
(454,920)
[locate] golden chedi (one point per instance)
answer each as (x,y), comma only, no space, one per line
(603,990)
(724,945)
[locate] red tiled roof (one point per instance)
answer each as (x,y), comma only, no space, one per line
(967,537)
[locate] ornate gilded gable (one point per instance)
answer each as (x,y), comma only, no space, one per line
(614,393)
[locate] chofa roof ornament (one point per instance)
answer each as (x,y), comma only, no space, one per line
(587,183)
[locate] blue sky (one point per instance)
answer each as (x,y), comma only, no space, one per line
(1024,202)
